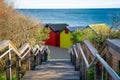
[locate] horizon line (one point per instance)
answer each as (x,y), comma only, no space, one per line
(71,8)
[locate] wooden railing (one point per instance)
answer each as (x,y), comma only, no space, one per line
(33,57)
(104,62)
(93,30)
(74,57)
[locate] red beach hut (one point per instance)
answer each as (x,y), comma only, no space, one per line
(54,35)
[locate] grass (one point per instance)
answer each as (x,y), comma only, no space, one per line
(91,74)
(3,77)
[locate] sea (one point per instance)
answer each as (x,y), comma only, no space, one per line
(73,17)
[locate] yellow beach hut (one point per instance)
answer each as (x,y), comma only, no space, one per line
(65,35)
(100,28)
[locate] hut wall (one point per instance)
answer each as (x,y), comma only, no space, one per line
(65,41)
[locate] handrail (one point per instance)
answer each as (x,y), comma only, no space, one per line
(21,53)
(8,43)
(1,56)
(85,59)
(97,57)
(4,44)
(75,51)
(23,48)
(108,68)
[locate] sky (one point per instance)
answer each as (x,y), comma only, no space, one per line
(65,3)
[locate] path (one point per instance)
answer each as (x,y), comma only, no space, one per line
(57,68)
(58,53)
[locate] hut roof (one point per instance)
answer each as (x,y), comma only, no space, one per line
(100,28)
(73,28)
(57,27)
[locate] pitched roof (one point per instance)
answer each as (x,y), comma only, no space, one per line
(73,28)
(100,28)
(57,27)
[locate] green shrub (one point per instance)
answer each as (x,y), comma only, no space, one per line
(14,78)
(2,76)
(91,74)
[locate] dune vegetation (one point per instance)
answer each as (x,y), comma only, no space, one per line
(19,29)
(104,32)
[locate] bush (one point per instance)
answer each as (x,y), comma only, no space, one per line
(81,35)
(91,74)
(98,40)
(19,29)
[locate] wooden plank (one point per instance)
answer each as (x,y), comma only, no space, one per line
(115,44)
(23,48)
(4,44)
(90,47)
(114,53)
(57,69)
(14,49)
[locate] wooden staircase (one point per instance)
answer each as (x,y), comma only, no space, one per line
(57,69)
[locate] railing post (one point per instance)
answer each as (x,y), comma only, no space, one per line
(77,64)
(98,71)
(81,68)
(18,64)
(45,54)
(113,62)
(113,55)
(32,62)
(71,56)
(29,61)
(37,59)
(8,67)
(40,57)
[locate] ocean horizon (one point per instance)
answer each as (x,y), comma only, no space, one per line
(73,17)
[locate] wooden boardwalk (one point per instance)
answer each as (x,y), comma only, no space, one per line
(58,67)
(58,53)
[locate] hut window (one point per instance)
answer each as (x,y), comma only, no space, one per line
(66,31)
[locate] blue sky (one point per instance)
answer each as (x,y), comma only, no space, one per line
(66,3)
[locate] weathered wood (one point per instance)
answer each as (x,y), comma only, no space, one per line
(4,44)
(115,44)
(8,67)
(114,53)
(98,72)
(81,68)
(90,47)
(23,48)
(32,65)
(23,52)
(109,61)
(77,64)
(14,48)
(29,62)
(40,58)
(95,53)
(57,69)
(83,72)
(18,70)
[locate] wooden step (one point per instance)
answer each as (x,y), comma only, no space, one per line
(53,70)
